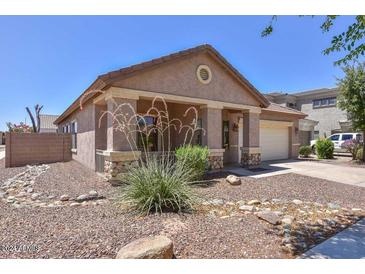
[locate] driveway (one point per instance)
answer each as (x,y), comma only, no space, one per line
(341,174)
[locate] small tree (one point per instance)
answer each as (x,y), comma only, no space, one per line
(19,128)
(352,146)
(352,96)
(37,110)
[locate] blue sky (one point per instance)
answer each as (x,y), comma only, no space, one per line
(51,60)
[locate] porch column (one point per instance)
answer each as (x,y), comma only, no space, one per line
(294,142)
(120,154)
(250,151)
(212,124)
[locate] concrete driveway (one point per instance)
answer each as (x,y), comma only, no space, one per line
(342,174)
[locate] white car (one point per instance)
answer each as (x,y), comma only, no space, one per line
(338,139)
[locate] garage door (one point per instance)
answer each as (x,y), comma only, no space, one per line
(274,143)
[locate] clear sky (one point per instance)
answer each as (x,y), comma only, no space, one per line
(51,60)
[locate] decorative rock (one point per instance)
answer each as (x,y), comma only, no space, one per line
(247,208)
(75,204)
(288,220)
(64,198)
(269,217)
(254,202)
(233,180)
(216,202)
(2,195)
(276,200)
(356,209)
(93,194)
(297,202)
(155,247)
(11,199)
(35,196)
(333,206)
(240,203)
(30,190)
(82,197)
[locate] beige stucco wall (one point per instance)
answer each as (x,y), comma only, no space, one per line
(328,117)
(85,134)
(179,78)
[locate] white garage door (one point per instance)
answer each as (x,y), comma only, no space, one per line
(274,143)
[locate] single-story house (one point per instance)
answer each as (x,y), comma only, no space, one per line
(241,125)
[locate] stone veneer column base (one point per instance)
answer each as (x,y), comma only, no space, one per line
(250,157)
(118,162)
(215,159)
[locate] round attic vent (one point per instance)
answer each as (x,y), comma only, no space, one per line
(204,74)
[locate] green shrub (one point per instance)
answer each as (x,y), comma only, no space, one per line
(158,185)
(305,151)
(194,158)
(324,149)
(359,154)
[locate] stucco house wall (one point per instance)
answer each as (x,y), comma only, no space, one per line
(179,78)
(328,117)
(85,118)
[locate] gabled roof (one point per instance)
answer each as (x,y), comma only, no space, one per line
(303,93)
(47,121)
(107,79)
(273,107)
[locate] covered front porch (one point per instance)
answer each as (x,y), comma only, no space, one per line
(230,131)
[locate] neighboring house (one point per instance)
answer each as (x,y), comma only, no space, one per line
(47,123)
(2,138)
(324,117)
(240,123)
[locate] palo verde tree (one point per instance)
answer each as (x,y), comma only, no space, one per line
(352,96)
(36,125)
(351,41)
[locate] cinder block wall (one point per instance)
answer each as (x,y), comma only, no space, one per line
(36,148)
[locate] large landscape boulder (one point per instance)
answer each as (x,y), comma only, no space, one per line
(155,247)
(233,180)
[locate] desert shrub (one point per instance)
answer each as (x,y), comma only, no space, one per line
(324,149)
(359,154)
(194,158)
(352,146)
(305,151)
(158,185)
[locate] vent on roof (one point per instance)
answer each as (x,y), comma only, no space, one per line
(204,74)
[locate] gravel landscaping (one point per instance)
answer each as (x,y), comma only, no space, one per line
(221,227)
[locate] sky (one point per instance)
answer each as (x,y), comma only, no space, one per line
(50,60)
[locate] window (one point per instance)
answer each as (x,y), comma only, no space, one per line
(332,101)
(359,137)
(347,137)
(335,137)
(74,134)
(315,134)
(325,102)
(146,124)
(225,134)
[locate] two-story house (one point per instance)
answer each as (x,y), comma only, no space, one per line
(324,117)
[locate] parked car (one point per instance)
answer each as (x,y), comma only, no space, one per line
(338,139)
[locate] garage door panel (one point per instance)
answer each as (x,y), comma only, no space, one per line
(274,143)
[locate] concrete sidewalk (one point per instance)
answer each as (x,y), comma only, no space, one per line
(337,173)
(348,244)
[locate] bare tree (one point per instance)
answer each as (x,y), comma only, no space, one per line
(37,110)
